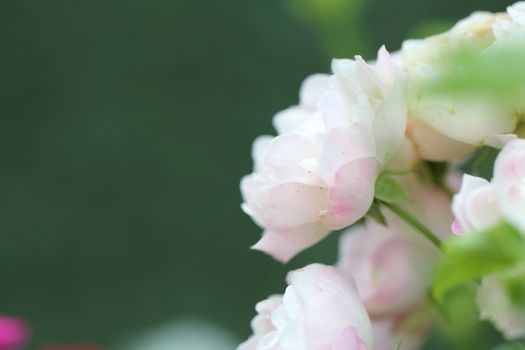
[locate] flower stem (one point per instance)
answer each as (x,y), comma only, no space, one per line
(414,222)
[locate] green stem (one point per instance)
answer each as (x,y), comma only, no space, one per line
(414,222)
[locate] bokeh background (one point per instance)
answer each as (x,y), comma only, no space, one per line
(125,128)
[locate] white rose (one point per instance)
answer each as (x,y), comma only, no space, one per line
(319,310)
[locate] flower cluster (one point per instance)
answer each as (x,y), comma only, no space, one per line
(481,204)
(372,149)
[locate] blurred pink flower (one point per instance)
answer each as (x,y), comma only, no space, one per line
(392,265)
(14,333)
(405,331)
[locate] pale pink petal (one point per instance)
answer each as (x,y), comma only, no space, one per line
(456,227)
(285,244)
(288,158)
(313,88)
(330,305)
(289,204)
(513,204)
(461,201)
(249,344)
(311,279)
(510,163)
(391,264)
(320,310)
(386,66)
(475,206)
(405,159)
(401,270)
(357,78)
(248,187)
(327,315)
(344,143)
(517,12)
(434,146)
(482,209)
(348,339)
(352,192)
(390,121)
(259,150)
(292,120)
(334,109)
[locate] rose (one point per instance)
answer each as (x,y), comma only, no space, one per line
(481,204)
(286,193)
(392,265)
(319,310)
(404,331)
(509,181)
(319,173)
(447,127)
(475,206)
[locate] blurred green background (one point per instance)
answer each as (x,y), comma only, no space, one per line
(126,126)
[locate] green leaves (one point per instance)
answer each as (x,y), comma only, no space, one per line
(472,256)
(515,285)
(375,213)
(495,73)
(389,190)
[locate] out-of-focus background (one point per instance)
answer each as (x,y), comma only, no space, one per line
(125,128)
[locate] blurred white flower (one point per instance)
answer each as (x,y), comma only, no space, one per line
(448,127)
(512,24)
(184,334)
(495,303)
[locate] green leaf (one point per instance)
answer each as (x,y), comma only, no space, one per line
(496,73)
(481,163)
(375,213)
(515,285)
(433,174)
(389,190)
(472,256)
(513,282)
